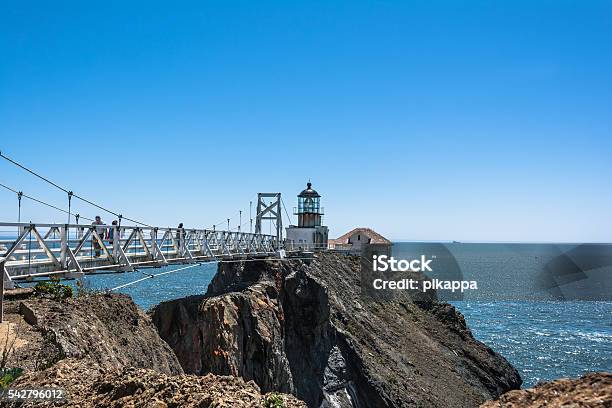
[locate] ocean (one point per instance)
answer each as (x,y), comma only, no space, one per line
(544,329)
(545,340)
(547,308)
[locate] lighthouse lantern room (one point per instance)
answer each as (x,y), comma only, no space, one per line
(309,209)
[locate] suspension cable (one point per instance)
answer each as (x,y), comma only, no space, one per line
(202,263)
(32,172)
(286,212)
(153,276)
(70,193)
(37,200)
(239,213)
(224,221)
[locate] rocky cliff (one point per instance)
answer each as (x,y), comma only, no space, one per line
(88,385)
(103,351)
(307,329)
(593,390)
(110,330)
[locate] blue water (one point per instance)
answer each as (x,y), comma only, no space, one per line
(543,339)
(150,292)
(518,309)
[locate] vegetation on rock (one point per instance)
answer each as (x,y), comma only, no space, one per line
(53,289)
(8,375)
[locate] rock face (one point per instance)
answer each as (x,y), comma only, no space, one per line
(108,329)
(307,330)
(105,352)
(88,385)
(593,390)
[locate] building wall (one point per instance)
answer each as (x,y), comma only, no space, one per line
(358,239)
(380,249)
(306,238)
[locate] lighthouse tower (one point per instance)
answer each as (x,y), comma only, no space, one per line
(309,234)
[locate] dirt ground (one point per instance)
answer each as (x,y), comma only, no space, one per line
(20,343)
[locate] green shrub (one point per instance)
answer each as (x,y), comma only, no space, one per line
(8,375)
(53,289)
(274,400)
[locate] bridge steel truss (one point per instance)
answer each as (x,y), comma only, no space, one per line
(72,250)
(269,209)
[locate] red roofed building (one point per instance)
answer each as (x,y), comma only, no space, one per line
(355,239)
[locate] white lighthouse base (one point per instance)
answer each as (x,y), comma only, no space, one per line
(306,238)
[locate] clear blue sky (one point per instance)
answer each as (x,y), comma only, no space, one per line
(428,120)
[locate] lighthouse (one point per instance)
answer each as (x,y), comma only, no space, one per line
(309,234)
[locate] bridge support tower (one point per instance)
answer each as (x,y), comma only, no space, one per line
(269,208)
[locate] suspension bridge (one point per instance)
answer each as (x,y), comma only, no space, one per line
(39,251)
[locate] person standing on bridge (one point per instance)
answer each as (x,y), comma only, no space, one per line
(101,232)
(180,236)
(111,232)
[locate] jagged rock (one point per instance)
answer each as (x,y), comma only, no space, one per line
(593,390)
(89,385)
(105,352)
(108,329)
(309,330)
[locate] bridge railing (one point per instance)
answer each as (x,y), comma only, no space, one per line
(33,250)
